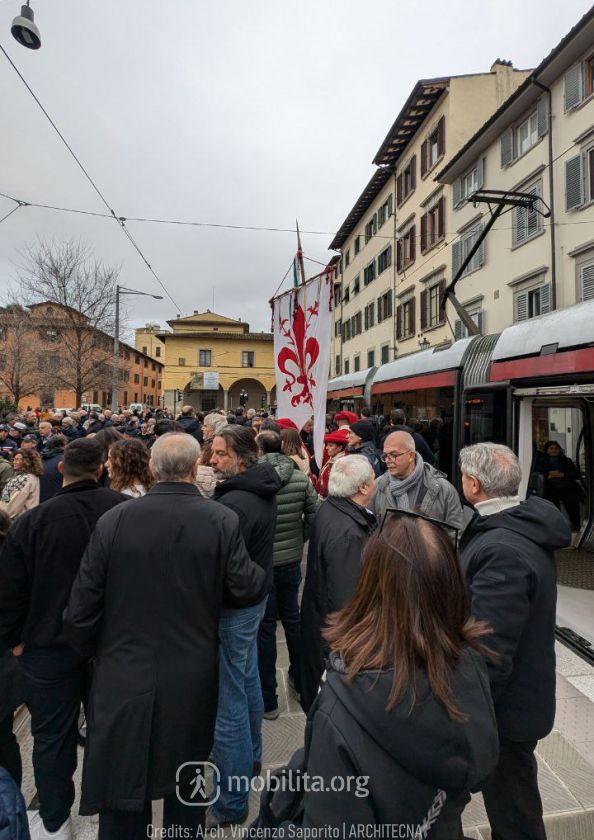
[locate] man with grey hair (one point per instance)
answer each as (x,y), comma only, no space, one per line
(507,556)
(147,605)
(341,528)
(412,484)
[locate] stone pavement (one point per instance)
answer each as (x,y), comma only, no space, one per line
(565,758)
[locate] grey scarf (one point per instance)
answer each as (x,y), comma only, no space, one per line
(405,491)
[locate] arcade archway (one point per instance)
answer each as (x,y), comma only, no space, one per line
(249,392)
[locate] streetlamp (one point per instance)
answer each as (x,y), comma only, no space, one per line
(121,290)
(24,30)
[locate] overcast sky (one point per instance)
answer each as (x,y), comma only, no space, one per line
(246,112)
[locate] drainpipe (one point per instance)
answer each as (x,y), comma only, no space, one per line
(394,245)
(547,90)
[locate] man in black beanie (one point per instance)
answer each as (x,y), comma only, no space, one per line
(361,442)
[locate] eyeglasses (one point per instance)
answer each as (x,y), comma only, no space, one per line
(449,529)
(392,456)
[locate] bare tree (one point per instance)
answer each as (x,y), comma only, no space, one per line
(78,318)
(20,372)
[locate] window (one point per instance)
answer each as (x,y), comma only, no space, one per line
(347,295)
(205,358)
(137,359)
(385,211)
(433,147)
(406,181)
(519,139)
(405,319)
(462,248)
(144,350)
(346,366)
(136,379)
(370,315)
(52,335)
(527,222)
(432,313)
(371,228)
(579,83)
(356,285)
(356,324)
(337,295)
(384,306)
(145,381)
(370,358)
(532,298)
(357,363)
(585,272)
(369,273)
(357,245)
(337,366)
(337,328)
(247,358)
(181,362)
(347,258)
(158,352)
(152,383)
(384,260)
(405,249)
(469,183)
(433,225)
(460,331)
(385,357)
(579,179)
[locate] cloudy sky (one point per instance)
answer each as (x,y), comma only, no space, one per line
(240,112)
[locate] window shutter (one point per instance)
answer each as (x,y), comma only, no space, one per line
(366,317)
(456,257)
(545,298)
(423,233)
(390,207)
(388,256)
(424,313)
(457,192)
(520,225)
(479,320)
(441,136)
(399,189)
(413,242)
(374,224)
(507,147)
(388,308)
(413,328)
(399,255)
(574,87)
(413,172)
(380,313)
(542,115)
(480,173)
(522,306)
(479,257)
(587,282)
(458,330)
(441,218)
(442,313)
(423,158)
(399,322)
(574,182)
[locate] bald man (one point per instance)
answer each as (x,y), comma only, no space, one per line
(412,485)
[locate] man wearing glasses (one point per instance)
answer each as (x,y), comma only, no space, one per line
(410,484)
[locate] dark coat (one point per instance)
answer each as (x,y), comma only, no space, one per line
(40,559)
(252,495)
(509,562)
(193,427)
(51,480)
(13,811)
(369,450)
(146,603)
(419,765)
(340,531)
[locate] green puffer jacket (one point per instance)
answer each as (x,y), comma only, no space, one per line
(296,506)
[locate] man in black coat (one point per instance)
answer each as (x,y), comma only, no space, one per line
(341,529)
(190,423)
(398,423)
(39,561)
(249,489)
(147,604)
(507,555)
(51,480)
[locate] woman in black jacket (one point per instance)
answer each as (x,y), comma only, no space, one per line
(404,727)
(561,481)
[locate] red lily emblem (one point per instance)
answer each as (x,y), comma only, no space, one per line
(298,358)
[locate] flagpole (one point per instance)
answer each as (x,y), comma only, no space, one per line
(300,254)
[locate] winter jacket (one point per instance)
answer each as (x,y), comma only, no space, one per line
(417,764)
(206,480)
(252,496)
(438,498)
(509,562)
(296,505)
(6,472)
(12,689)
(147,603)
(51,480)
(14,824)
(336,544)
(20,494)
(369,451)
(39,561)
(192,426)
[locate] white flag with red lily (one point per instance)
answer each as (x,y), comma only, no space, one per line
(302,321)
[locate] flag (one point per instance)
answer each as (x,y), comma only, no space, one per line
(302,322)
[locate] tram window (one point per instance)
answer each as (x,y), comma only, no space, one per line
(486,417)
(560,469)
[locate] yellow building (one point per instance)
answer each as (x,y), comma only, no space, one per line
(215,361)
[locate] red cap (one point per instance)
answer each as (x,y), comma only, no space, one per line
(339,436)
(286,423)
(349,416)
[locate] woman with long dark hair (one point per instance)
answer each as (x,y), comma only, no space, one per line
(128,468)
(21,492)
(406,711)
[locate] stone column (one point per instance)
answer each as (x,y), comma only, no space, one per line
(225,400)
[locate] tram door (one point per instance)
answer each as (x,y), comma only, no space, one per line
(555,448)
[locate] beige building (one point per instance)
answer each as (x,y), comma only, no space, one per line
(540,141)
(212,361)
(394,243)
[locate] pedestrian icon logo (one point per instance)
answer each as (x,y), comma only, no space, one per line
(197,783)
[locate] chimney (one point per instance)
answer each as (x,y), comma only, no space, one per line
(500,62)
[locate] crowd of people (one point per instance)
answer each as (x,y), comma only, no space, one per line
(146,561)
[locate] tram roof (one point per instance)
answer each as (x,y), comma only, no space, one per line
(570,327)
(427,361)
(349,380)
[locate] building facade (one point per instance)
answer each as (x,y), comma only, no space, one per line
(214,361)
(394,242)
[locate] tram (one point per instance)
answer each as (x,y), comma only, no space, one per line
(528,385)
